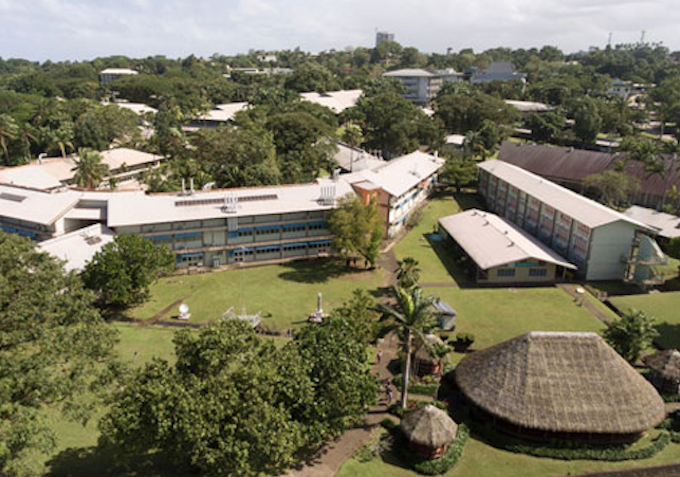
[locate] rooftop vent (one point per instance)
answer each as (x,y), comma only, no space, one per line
(92,239)
(327,195)
(12,197)
(230,203)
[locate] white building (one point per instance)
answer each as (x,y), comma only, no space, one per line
(421,86)
(220,115)
(603,243)
(667,225)
(498,71)
(112,74)
(77,248)
(337,101)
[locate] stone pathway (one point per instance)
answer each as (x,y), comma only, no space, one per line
(570,288)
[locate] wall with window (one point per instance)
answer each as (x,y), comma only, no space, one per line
(528,271)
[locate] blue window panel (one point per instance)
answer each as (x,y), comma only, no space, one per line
(293,226)
(8,229)
(247,230)
(320,242)
(269,248)
(269,227)
(27,234)
(161,237)
(319,224)
(527,264)
(189,235)
(242,249)
(232,234)
(296,244)
(189,255)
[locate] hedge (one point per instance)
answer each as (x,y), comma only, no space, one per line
(425,389)
(578,452)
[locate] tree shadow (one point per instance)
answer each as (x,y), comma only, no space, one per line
(443,250)
(100,461)
(316,270)
(669,335)
(468,201)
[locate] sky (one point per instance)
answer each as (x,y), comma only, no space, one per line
(85,29)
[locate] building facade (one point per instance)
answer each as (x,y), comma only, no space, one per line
(421,86)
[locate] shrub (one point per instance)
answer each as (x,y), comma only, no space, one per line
(389,424)
(371,449)
(426,386)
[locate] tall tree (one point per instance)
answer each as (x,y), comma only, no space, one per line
(52,344)
(357,229)
(90,170)
(8,132)
(631,334)
(459,171)
(414,316)
(587,120)
(408,273)
(615,187)
(124,269)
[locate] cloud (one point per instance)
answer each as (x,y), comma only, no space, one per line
(78,29)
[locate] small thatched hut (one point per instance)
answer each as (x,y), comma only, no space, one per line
(665,370)
(560,387)
(427,361)
(429,431)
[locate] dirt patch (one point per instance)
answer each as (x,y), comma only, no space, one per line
(159,316)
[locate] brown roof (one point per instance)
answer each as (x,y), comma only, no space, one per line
(560,382)
(429,426)
(665,363)
(426,351)
(569,164)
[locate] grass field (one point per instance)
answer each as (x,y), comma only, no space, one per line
(285,294)
(435,261)
(481,459)
(665,307)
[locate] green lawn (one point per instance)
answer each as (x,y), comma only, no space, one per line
(480,459)
(285,294)
(435,260)
(665,307)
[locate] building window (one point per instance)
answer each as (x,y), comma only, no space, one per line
(505,272)
(538,272)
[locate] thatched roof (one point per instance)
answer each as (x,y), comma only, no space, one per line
(665,363)
(560,382)
(429,426)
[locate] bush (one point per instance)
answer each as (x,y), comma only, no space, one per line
(426,386)
(444,463)
(388,424)
(463,342)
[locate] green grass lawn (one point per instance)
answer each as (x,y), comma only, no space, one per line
(435,260)
(285,294)
(481,459)
(665,307)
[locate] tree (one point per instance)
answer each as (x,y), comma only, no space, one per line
(235,404)
(459,171)
(60,139)
(52,345)
(672,248)
(467,111)
(351,135)
(414,316)
(357,228)
(587,120)
(90,170)
(98,128)
(546,127)
(615,187)
(408,273)
(359,312)
(311,77)
(122,271)
(8,132)
(631,334)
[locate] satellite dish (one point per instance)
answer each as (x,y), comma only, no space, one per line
(184,308)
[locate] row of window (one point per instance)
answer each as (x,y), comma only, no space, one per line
(533,272)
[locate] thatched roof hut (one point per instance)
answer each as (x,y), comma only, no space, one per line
(665,370)
(426,361)
(560,386)
(429,430)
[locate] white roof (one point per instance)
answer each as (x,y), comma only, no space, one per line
(53,172)
(224,112)
(586,211)
(137,108)
(455,139)
(398,176)
(139,208)
(78,247)
(667,224)
(35,206)
(337,101)
(492,241)
(528,106)
(355,159)
(409,73)
(118,71)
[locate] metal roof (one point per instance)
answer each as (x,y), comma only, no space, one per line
(492,241)
(667,224)
(78,247)
(576,206)
(337,101)
(409,73)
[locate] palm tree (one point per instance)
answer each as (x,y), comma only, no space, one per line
(89,169)
(8,131)
(408,273)
(60,138)
(27,134)
(414,315)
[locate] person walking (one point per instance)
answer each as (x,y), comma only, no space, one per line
(379,356)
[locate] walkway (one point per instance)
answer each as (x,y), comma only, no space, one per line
(570,288)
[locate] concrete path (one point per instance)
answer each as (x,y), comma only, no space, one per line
(570,288)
